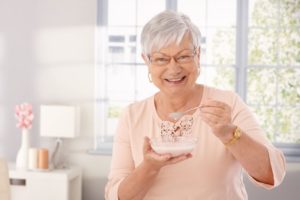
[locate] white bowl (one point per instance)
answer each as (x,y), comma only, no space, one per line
(174,145)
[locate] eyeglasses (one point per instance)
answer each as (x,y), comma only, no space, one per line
(183,57)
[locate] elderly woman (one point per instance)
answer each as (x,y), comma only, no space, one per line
(229,138)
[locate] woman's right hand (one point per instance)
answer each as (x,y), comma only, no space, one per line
(156,161)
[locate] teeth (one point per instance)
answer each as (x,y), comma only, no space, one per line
(178,79)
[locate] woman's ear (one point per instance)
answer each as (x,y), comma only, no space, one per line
(146,60)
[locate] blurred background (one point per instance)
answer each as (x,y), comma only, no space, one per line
(87,53)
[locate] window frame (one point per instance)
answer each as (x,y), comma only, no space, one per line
(103,144)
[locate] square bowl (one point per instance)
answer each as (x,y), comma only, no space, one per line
(176,146)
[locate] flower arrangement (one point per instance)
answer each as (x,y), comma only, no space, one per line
(24,115)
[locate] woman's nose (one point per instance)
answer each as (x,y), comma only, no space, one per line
(173,66)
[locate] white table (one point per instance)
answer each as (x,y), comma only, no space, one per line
(62,184)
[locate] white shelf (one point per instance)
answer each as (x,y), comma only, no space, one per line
(62,184)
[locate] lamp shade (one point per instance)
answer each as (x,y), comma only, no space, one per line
(59,121)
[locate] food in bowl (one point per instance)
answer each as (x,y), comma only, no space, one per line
(176,146)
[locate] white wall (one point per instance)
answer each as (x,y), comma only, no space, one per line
(288,190)
(47,56)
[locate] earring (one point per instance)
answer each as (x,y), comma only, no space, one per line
(149,77)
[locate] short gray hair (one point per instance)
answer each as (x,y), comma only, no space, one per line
(165,28)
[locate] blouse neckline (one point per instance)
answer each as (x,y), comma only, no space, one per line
(194,115)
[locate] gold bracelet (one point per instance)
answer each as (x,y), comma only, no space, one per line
(236,137)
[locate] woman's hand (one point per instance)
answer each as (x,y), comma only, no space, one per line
(157,161)
(218,116)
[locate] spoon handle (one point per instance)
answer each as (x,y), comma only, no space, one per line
(192,109)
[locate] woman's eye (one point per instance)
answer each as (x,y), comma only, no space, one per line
(161,60)
(183,57)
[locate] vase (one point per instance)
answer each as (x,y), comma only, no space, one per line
(22,156)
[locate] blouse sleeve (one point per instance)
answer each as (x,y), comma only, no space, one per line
(245,119)
(122,162)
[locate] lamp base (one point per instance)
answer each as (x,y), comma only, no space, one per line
(56,158)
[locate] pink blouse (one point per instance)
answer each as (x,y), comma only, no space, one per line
(212,173)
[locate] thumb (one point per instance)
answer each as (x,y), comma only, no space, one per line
(147,145)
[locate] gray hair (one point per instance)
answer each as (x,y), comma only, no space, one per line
(168,27)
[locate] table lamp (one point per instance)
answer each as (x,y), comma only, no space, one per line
(59,121)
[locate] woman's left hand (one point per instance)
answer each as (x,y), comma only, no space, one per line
(218,116)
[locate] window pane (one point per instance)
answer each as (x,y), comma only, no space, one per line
(262,44)
(267,120)
(289,43)
(144,87)
(220,77)
(280,124)
(146,10)
(212,13)
(289,14)
(121,45)
(221,13)
(289,86)
(288,121)
(277,106)
(195,9)
(121,13)
(115,109)
(273,40)
(263,13)
(139,58)
(117,90)
(219,47)
(261,86)
(116,38)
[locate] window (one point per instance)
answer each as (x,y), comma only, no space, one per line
(273,67)
(248,46)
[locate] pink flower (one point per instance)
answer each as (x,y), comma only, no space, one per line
(24,115)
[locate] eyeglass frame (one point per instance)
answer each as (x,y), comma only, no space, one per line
(175,57)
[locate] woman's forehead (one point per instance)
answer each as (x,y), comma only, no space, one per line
(173,48)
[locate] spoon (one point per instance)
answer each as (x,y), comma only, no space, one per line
(177,115)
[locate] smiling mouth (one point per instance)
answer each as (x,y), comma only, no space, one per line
(176,80)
